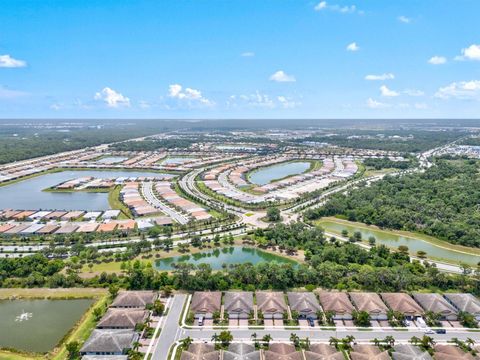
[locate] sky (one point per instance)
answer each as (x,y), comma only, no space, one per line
(239,59)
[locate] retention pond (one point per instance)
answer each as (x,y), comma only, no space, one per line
(218,257)
(265,175)
(38,325)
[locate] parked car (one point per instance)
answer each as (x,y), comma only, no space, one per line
(311,322)
(441,331)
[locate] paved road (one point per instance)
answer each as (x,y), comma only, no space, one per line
(152,199)
(170,331)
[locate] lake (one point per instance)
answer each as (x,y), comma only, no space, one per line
(265,175)
(176,160)
(230,255)
(28,195)
(112,160)
(394,241)
(43,325)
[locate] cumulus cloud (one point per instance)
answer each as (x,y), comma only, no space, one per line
(413,92)
(190,96)
(382,77)
(6,61)
(470,53)
(346,9)
(437,60)
(261,100)
(248,54)
(385,91)
(404,19)
(112,98)
(374,104)
(353,47)
(464,90)
(281,76)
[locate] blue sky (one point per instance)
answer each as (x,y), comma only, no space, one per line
(239,59)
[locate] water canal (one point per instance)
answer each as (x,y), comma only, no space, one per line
(394,240)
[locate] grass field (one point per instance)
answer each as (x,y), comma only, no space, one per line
(116,204)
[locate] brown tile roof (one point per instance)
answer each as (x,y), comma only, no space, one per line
(335,301)
(369,302)
(138,299)
(121,318)
(206,301)
(271,301)
(368,352)
(436,303)
(107,227)
(403,303)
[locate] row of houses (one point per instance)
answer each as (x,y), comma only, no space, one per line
(320,351)
(165,191)
(116,332)
(62,215)
(273,305)
(130,196)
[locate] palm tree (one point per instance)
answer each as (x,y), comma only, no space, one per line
(470,342)
(294,339)
(376,342)
(185,343)
(334,342)
(426,343)
(215,338)
(266,339)
(389,340)
(414,340)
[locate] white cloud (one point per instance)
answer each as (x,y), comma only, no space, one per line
(248,54)
(413,92)
(464,90)
(386,76)
(374,104)
(144,104)
(56,107)
(261,100)
(385,91)
(191,96)
(437,60)
(353,47)
(6,93)
(470,53)
(421,106)
(347,9)
(287,103)
(281,76)
(404,19)
(112,98)
(6,61)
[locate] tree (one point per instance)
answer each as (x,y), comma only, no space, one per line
(361,318)
(273,214)
(426,343)
(266,340)
(295,339)
(225,338)
(113,290)
(334,342)
(389,340)
(158,308)
(73,349)
(344,232)
(185,343)
(414,340)
(372,240)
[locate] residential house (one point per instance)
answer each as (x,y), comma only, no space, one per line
(200,351)
(465,302)
(122,318)
(323,352)
(437,304)
(409,352)
(338,303)
(205,303)
(241,351)
(238,304)
(371,303)
(271,304)
(134,299)
(282,351)
(305,303)
(404,304)
(368,352)
(451,352)
(109,342)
